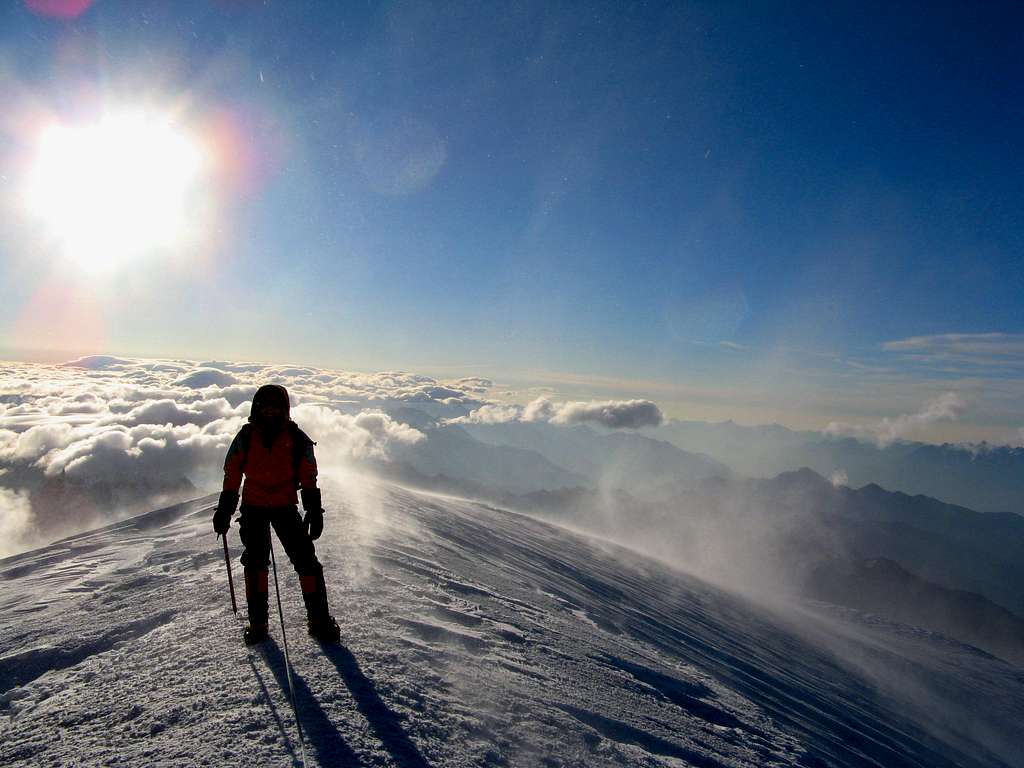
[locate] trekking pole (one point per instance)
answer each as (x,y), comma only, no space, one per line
(231,581)
(287,658)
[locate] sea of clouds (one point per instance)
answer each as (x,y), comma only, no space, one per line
(96,438)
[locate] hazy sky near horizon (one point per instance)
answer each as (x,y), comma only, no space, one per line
(801,213)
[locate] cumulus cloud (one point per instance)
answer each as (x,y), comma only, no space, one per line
(613,414)
(103,419)
(98,362)
(87,441)
(838,478)
(238,394)
(491,414)
(620,414)
(945,407)
(166,411)
(34,442)
(366,435)
(148,454)
(541,409)
(206,377)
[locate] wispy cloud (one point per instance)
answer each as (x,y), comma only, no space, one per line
(733,346)
(968,351)
(613,414)
(946,407)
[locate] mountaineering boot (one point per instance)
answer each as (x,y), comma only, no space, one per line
(322,625)
(254,633)
(326,630)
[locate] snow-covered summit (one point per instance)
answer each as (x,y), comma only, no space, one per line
(471,636)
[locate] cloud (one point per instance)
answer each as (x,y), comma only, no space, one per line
(148,454)
(838,478)
(613,414)
(168,411)
(963,350)
(238,394)
(206,377)
(34,442)
(99,362)
(491,414)
(149,424)
(16,528)
(342,437)
(945,407)
(473,384)
(89,441)
(541,409)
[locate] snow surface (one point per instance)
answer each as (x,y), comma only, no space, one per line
(471,636)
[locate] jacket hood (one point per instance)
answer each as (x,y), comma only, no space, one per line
(273,394)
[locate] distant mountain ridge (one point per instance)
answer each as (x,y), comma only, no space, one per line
(950,545)
(984,477)
(450,451)
(781,534)
(946,568)
(644,466)
(882,586)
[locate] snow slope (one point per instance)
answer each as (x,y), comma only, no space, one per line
(471,636)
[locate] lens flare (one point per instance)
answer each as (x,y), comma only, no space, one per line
(59,9)
(109,192)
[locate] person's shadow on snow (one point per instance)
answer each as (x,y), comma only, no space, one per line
(320,733)
(386,725)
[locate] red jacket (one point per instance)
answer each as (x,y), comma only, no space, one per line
(269,472)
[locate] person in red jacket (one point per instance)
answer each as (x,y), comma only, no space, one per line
(276,458)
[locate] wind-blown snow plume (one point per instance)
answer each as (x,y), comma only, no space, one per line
(946,407)
(16,530)
(613,414)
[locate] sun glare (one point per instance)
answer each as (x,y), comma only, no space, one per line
(112,191)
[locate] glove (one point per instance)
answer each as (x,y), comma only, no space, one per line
(314,522)
(314,519)
(225,509)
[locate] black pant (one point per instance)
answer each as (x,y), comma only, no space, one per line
(254,530)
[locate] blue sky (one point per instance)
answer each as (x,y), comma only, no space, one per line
(736,208)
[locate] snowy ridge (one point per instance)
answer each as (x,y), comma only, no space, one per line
(471,636)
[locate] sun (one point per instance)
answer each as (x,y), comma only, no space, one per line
(109,192)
